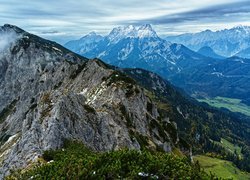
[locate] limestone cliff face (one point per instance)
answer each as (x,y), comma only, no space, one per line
(48,94)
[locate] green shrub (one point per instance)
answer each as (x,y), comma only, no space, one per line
(75,161)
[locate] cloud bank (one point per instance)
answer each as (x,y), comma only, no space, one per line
(239,11)
(72,19)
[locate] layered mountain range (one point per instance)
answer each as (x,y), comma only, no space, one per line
(227,42)
(131,46)
(202,73)
(49,94)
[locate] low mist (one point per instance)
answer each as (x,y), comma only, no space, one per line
(6,39)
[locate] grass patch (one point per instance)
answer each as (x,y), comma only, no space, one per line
(234,105)
(221,168)
(177,152)
(229,146)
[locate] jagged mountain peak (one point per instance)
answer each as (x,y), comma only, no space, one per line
(131,31)
(146,31)
(241,27)
(16,44)
(121,32)
(146,26)
(131,46)
(225,42)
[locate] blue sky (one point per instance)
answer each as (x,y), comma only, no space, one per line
(62,20)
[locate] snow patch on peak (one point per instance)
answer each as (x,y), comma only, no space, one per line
(146,31)
(121,32)
(146,26)
(130,31)
(241,29)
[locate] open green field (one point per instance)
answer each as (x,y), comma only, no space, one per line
(221,168)
(233,105)
(229,146)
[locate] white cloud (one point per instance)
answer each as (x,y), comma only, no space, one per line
(6,39)
(76,18)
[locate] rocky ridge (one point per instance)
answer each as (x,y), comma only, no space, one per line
(49,94)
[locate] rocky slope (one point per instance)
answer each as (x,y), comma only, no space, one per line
(192,117)
(48,94)
(245,53)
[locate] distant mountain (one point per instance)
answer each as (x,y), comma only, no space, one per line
(227,77)
(226,42)
(209,52)
(132,47)
(84,44)
(140,47)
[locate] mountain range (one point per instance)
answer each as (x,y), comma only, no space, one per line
(227,42)
(49,94)
(203,73)
(141,47)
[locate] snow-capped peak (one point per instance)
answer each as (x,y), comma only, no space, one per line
(144,31)
(122,32)
(146,26)
(241,28)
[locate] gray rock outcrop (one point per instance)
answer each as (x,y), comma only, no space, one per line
(48,94)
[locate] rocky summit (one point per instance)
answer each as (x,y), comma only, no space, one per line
(49,94)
